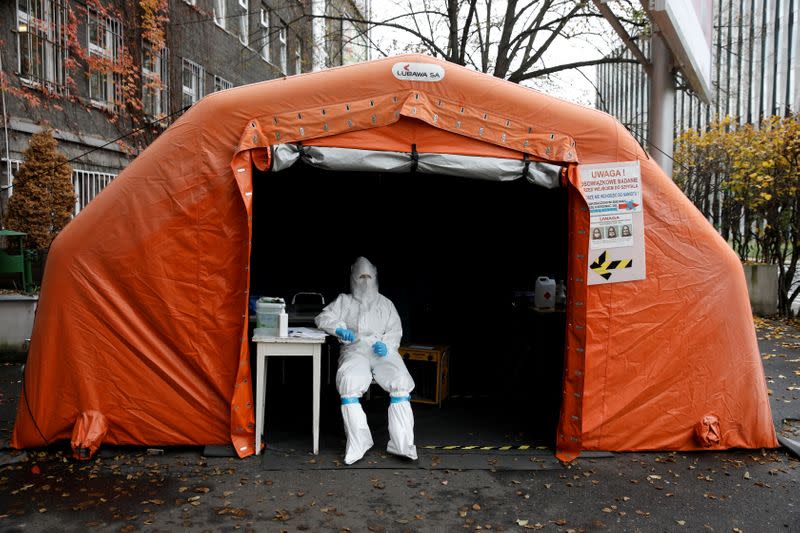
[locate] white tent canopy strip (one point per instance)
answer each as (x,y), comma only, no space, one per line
(353,160)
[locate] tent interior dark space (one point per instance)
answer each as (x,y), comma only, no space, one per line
(458,257)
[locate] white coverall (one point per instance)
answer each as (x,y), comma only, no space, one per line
(373,318)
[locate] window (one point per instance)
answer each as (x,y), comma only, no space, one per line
(220,84)
(42,42)
(155,80)
(265,31)
(87,185)
(193,82)
(354,43)
(282,46)
(105,50)
(298,60)
(219,12)
(243,29)
(8,186)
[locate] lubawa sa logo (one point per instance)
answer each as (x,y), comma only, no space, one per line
(418,72)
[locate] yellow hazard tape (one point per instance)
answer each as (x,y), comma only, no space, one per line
(483,448)
(602,266)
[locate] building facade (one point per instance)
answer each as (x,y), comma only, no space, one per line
(755,71)
(109,75)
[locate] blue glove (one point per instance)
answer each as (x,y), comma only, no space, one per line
(346,335)
(380,349)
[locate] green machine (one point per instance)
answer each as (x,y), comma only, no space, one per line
(14,258)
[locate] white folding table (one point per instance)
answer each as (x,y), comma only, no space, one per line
(285,347)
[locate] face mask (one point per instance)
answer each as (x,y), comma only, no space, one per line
(364,281)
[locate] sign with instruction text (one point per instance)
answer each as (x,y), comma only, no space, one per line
(613,193)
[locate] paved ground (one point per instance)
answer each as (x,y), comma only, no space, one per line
(129,490)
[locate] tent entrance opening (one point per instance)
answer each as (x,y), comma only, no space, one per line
(459,259)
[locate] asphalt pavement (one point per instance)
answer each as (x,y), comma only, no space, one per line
(180,489)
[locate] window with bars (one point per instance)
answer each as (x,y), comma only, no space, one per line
(264,26)
(155,80)
(282,31)
(220,12)
(244,30)
(87,185)
(42,48)
(193,82)
(105,51)
(220,84)
(8,185)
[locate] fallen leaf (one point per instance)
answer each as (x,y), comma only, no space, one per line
(36,470)
(183,489)
(560,522)
(522,522)
(476,507)
(747,475)
(281,515)
(444,482)
(201,490)
(193,498)
(234,511)
(681,522)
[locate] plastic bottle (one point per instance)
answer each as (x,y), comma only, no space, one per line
(283,325)
(544,296)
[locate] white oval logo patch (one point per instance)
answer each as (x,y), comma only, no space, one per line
(418,72)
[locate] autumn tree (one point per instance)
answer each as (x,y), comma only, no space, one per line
(746,181)
(43,197)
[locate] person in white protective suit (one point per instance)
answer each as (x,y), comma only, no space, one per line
(368,326)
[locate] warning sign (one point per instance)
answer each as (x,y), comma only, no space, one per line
(613,192)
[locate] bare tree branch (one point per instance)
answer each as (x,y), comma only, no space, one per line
(519,77)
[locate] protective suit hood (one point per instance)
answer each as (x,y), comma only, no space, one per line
(364,281)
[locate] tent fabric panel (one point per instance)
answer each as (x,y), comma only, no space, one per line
(400,135)
(353,160)
(569,433)
(356,93)
(665,351)
(143,308)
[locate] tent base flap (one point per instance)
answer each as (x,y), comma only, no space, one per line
(88,433)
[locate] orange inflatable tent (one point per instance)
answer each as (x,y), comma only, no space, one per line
(141,331)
